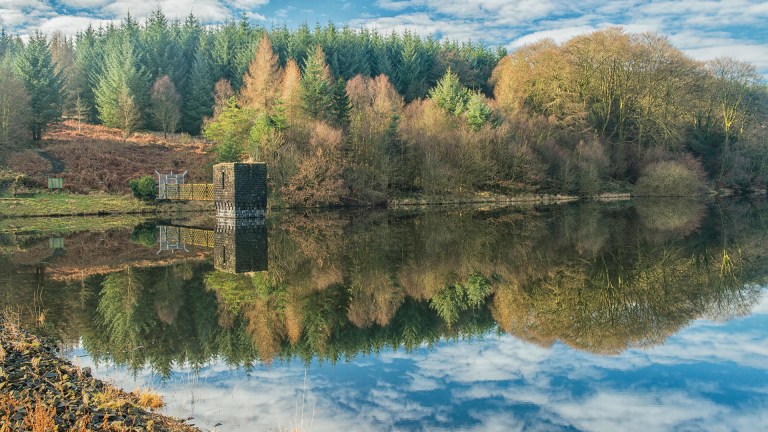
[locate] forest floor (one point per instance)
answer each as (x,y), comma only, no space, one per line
(39,391)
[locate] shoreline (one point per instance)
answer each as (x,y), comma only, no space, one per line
(66,205)
(40,388)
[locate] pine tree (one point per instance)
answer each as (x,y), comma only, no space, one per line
(5,43)
(9,44)
(229,41)
(261,83)
(87,69)
(478,113)
(230,130)
(161,50)
(340,105)
(449,94)
(190,36)
(199,98)
(411,70)
(279,118)
(122,74)
(44,86)
(299,43)
(381,63)
(352,53)
(316,87)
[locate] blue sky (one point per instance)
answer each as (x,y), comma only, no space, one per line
(703,28)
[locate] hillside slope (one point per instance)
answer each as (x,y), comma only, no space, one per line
(97,158)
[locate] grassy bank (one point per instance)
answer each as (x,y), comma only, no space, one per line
(67,224)
(55,204)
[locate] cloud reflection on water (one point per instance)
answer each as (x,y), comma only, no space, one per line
(710,376)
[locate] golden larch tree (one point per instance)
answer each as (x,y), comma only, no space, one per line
(262,81)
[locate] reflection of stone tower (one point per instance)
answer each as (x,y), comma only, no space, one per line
(240,190)
(240,246)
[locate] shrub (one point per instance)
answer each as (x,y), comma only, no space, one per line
(144,234)
(144,188)
(671,178)
(319,179)
(667,217)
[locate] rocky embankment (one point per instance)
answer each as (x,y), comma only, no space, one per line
(41,392)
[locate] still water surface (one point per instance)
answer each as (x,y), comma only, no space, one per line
(630,316)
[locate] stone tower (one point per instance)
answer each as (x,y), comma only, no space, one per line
(240,246)
(240,190)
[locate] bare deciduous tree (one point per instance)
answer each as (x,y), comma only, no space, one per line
(128,114)
(165,105)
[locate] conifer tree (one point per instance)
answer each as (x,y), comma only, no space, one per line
(340,105)
(191,36)
(449,94)
(300,43)
(229,41)
(317,87)
(43,85)
(291,90)
(261,83)
(162,54)
(411,70)
(122,74)
(477,113)
(381,63)
(230,131)
(199,98)
(87,69)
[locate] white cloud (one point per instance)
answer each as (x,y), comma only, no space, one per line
(514,24)
(762,306)
(71,24)
(84,4)
(558,35)
(396,5)
(205,10)
(248,4)
(23,16)
(11,17)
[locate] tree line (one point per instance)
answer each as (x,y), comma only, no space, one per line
(343,115)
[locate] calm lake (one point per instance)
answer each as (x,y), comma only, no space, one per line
(632,316)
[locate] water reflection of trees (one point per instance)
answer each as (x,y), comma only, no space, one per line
(600,279)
